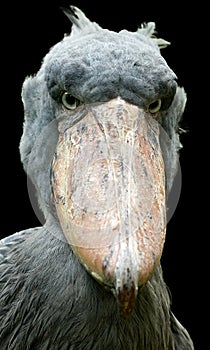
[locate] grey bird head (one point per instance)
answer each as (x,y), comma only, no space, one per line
(101,145)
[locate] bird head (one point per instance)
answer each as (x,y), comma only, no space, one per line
(100,143)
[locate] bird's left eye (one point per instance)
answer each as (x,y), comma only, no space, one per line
(154,107)
(69,101)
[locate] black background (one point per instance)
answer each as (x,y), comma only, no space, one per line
(27,33)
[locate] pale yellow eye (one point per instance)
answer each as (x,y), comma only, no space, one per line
(154,107)
(69,101)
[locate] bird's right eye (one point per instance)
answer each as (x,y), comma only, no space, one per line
(69,101)
(155,106)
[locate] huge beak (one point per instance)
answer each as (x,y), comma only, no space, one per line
(109,191)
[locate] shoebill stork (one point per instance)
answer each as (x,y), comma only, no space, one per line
(101,145)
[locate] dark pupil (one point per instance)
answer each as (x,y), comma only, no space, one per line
(153,105)
(70,99)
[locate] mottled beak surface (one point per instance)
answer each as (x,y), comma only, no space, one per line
(109,192)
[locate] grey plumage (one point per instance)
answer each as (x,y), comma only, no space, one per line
(47,298)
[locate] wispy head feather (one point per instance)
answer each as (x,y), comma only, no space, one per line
(148,29)
(80,22)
